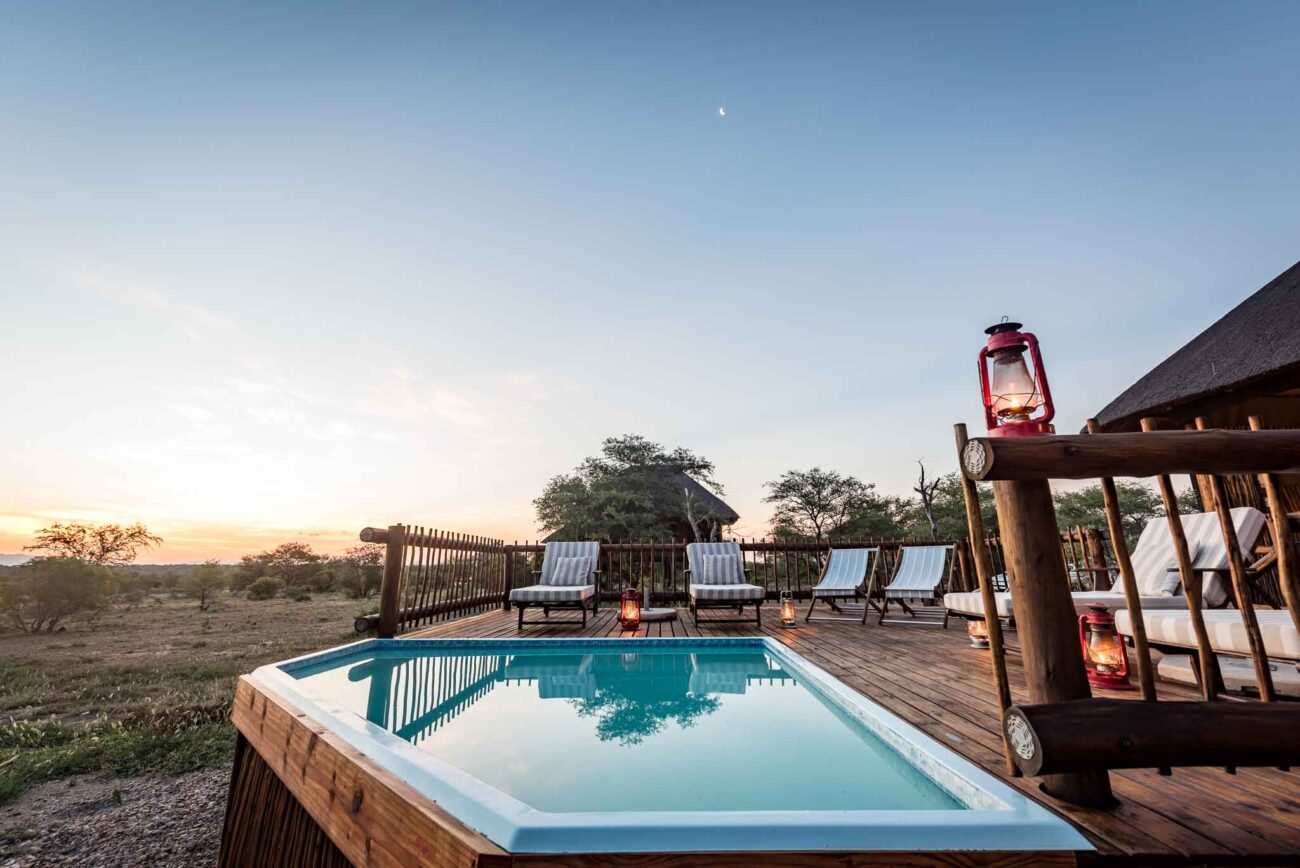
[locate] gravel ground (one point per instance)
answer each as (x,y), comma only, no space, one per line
(100,821)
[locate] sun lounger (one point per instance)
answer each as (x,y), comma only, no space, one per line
(568,579)
(717,579)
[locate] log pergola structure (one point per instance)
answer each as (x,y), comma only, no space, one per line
(1063,734)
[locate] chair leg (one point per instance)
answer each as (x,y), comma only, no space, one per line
(808,618)
(583,610)
(522,606)
(758,614)
(883,609)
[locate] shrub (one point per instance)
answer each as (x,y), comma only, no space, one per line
(322,582)
(265,588)
(47,590)
(301,595)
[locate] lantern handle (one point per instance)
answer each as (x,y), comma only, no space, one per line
(1040,376)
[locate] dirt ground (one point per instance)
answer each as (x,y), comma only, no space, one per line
(97,820)
(114,733)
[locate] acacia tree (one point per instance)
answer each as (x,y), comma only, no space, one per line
(632,489)
(47,590)
(99,544)
(360,569)
(204,581)
(814,502)
(294,563)
(1138,505)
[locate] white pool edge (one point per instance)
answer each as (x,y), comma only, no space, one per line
(996,817)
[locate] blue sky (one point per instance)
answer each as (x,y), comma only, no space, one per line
(287,271)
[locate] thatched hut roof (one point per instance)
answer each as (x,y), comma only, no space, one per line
(1247,362)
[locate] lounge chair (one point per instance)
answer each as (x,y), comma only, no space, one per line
(920,572)
(716,579)
(1154,567)
(568,579)
(844,578)
(1172,631)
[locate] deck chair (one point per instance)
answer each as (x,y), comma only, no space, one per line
(568,579)
(716,579)
(920,572)
(847,573)
(1154,568)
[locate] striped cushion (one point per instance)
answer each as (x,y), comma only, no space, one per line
(570,572)
(719,570)
(552,594)
(729,591)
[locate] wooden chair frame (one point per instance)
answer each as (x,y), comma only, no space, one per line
(580,605)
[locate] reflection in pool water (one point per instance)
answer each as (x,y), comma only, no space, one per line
(670,730)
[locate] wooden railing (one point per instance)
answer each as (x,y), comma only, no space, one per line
(1062,735)
(432,575)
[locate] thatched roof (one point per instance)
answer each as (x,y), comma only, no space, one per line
(709,502)
(1252,353)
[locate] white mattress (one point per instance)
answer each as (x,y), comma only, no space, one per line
(969,602)
(1227,632)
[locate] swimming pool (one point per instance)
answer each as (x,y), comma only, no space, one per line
(643,745)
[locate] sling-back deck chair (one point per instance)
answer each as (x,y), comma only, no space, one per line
(568,579)
(717,579)
(845,577)
(920,572)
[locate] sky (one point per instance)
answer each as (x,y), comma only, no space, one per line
(282,271)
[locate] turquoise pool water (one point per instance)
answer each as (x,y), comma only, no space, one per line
(653,745)
(659,729)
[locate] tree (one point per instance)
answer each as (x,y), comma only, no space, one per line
(293,562)
(1086,507)
(360,569)
(946,516)
(813,503)
(44,591)
(926,491)
(632,489)
(100,544)
(204,581)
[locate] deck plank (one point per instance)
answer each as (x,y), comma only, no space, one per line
(932,679)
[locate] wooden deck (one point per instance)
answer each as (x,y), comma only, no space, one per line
(933,679)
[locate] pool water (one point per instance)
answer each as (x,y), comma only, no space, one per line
(655,729)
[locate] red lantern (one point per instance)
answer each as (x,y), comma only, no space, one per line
(1104,656)
(629,611)
(789,617)
(1011,393)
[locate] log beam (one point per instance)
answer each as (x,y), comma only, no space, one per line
(1120,734)
(1092,456)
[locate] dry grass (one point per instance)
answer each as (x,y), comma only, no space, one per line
(145,687)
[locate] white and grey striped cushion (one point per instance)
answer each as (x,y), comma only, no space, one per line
(920,572)
(697,552)
(552,594)
(719,570)
(557,550)
(732,591)
(1154,551)
(570,572)
(845,573)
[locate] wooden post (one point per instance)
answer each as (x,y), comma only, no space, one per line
(1096,547)
(1288,570)
(1115,522)
(1193,590)
(984,573)
(1045,618)
(390,588)
(507,576)
(1240,585)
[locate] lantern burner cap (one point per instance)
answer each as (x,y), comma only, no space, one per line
(1004,326)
